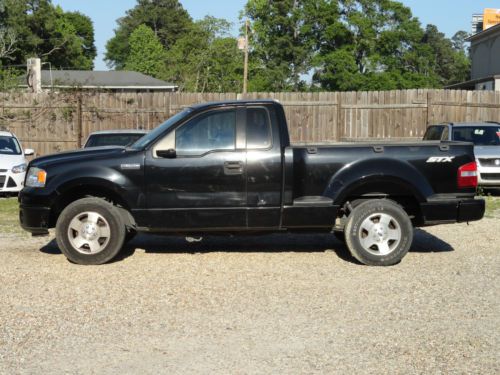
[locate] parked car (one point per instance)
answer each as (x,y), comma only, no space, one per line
(114,138)
(486,139)
(12,163)
(229,167)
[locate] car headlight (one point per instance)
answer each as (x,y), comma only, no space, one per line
(21,168)
(36,177)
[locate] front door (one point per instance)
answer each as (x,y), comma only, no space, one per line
(204,185)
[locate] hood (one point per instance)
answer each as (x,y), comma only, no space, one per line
(87,154)
(9,161)
(487,151)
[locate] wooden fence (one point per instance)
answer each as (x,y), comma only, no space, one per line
(52,122)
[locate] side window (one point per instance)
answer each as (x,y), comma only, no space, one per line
(258,128)
(208,132)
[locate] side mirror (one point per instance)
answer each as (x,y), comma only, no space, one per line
(167,154)
(29,152)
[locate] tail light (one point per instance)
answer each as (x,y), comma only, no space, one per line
(467,176)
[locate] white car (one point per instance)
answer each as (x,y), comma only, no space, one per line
(12,163)
(486,139)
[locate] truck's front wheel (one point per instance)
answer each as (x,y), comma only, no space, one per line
(90,231)
(378,232)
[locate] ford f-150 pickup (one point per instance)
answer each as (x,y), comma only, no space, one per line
(229,167)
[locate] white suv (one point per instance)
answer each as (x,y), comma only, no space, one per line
(12,163)
(486,139)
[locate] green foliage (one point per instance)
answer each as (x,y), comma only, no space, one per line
(349,45)
(146,53)
(206,58)
(65,39)
(281,43)
(167,18)
(450,61)
(9,79)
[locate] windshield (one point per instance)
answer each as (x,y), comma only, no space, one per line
(159,130)
(9,146)
(479,135)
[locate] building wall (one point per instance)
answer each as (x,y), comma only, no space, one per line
(486,56)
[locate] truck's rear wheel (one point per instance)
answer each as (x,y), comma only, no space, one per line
(90,231)
(378,233)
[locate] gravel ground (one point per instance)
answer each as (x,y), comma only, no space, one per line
(271,304)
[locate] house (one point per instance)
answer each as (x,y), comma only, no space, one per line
(485,56)
(104,80)
(115,80)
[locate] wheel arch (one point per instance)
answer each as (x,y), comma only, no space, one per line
(381,178)
(87,187)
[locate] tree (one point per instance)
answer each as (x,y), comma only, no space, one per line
(281,43)
(64,39)
(377,46)
(84,30)
(167,18)
(448,57)
(147,54)
(348,45)
(8,40)
(206,58)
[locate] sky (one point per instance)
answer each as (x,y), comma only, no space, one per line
(449,16)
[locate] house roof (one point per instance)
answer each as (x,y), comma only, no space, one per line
(112,79)
(489,31)
(471,84)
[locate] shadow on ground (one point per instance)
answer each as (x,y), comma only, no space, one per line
(424,242)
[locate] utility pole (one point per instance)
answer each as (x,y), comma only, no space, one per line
(245,68)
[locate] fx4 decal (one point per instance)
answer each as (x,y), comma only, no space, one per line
(440,159)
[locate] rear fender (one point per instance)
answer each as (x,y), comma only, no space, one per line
(386,176)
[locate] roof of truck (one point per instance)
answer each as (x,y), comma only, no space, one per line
(479,123)
(233,102)
(120,131)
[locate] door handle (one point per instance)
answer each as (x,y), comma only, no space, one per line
(233,167)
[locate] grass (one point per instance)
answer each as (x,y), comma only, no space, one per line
(9,217)
(492,206)
(9,214)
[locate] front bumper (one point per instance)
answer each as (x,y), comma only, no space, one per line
(35,210)
(35,220)
(11,182)
(488,176)
(439,211)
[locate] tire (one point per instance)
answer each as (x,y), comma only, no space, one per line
(90,231)
(130,235)
(340,236)
(378,233)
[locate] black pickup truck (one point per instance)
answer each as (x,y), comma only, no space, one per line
(229,167)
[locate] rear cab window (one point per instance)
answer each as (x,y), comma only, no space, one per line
(435,133)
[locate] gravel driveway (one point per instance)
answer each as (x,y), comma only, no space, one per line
(257,305)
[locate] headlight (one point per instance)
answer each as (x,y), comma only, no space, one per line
(36,177)
(21,168)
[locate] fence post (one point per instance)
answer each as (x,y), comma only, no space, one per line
(79,120)
(428,113)
(339,116)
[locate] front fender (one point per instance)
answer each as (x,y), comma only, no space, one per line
(384,175)
(96,177)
